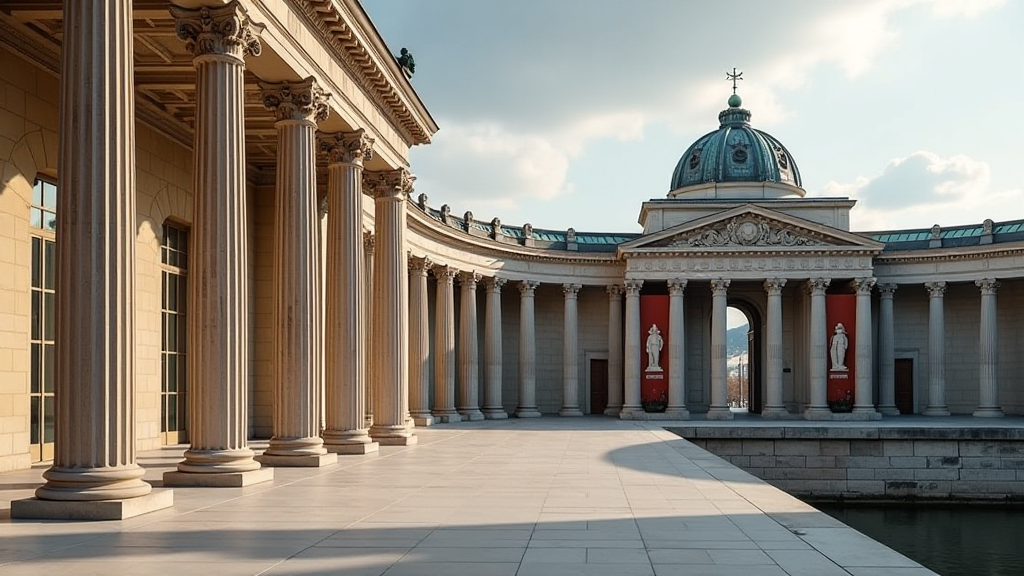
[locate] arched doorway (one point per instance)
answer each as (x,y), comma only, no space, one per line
(743,341)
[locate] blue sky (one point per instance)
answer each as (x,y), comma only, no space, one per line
(572,112)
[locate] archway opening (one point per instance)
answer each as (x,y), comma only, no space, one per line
(743,345)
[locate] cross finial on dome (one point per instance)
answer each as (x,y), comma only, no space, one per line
(734,101)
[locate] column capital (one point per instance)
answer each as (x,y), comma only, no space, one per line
(633,287)
(935,289)
(676,286)
(469,279)
(719,286)
(817,286)
(863,285)
(887,289)
(494,284)
(987,285)
(527,287)
(304,101)
(773,286)
(388,184)
(217,30)
(420,265)
(368,242)
(346,147)
(571,290)
(444,273)
(614,291)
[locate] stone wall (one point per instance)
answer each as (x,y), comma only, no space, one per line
(880,463)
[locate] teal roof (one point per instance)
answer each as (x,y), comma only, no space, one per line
(735,153)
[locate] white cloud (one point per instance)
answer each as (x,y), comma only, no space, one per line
(912,192)
(965,8)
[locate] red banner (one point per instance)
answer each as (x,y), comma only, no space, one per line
(841,319)
(654,343)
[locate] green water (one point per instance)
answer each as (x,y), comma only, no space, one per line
(963,540)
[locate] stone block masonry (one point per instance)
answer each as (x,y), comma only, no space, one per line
(960,464)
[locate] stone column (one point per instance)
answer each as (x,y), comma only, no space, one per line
(631,406)
(94,459)
(886,351)
(863,400)
(419,343)
(774,406)
(614,350)
(677,351)
(571,352)
(527,407)
(469,358)
(493,408)
(988,352)
(297,337)
(719,409)
(444,342)
(936,350)
(390,305)
(344,345)
(818,353)
(368,245)
(218,359)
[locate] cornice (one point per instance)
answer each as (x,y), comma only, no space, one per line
(950,254)
(42,55)
(731,253)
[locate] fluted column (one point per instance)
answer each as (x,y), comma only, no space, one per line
(469,357)
(614,350)
(864,402)
(571,352)
(94,456)
(719,409)
(886,351)
(936,350)
(419,343)
(218,344)
(774,406)
(390,305)
(988,357)
(527,406)
(344,348)
(817,355)
(493,408)
(631,406)
(444,342)
(368,246)
(297,336)
(677,350)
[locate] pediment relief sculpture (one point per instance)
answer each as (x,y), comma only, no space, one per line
(745,230)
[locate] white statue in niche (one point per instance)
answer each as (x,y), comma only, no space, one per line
(654,345)
(837,350)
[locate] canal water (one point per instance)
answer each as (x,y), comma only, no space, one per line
(962,540)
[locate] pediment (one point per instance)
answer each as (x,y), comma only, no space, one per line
(750,227)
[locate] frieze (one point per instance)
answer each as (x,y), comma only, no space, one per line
(712,264)
(746,230)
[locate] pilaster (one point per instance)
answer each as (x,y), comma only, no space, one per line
(719,409)
(988,357)
(677,351)
(936,350)
(886,351)
(527,406)
(493,406)
(615,383)
(570,352)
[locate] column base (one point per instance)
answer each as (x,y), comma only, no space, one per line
(424,420)
(496,414)
(776,413)
(298,461)
(989,412)
(471,414)
(410,440)
(719,413)
(631,413)
(452,417)
(936,411)
(570,411)
(817,413)
(677,413)
(864,409)
(217,480)
(36,509)
(889,410)
(353,448)
(612,410)
(527,412)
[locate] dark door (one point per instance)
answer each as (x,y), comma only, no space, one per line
(598,386)
(905,385)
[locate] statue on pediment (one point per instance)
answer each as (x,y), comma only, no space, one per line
(407,62)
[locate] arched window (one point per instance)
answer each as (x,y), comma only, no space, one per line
(173,308)
(43,226)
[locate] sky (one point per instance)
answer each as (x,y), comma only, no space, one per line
(571,113)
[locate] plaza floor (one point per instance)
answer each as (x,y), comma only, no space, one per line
(541,497)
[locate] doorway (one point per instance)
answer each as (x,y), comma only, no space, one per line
(743,344)
(905,385)
(598,385)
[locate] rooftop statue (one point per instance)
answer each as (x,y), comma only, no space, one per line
(407,62)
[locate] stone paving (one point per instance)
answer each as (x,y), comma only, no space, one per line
(545,497)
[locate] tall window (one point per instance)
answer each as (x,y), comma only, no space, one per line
(43,222)
(173,407)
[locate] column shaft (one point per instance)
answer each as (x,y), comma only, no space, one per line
(614,350)
(469,358)
(527,407)
(677,351)
(571,353)
(863,401)
(719,409)
(419,343)
(886,351)
(774,406)
(936,351)
(444,341)
(988,361)
(817,355)
(631,406)
(493,408)
(368,322)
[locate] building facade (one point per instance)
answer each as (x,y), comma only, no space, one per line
(208,233)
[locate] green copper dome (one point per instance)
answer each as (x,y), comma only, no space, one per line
(735,153)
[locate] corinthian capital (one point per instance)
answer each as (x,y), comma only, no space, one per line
(347,147)
(224,30)
(393,183)
(304,100)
